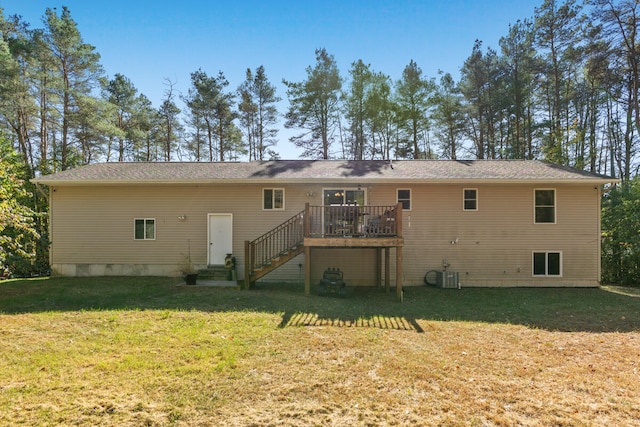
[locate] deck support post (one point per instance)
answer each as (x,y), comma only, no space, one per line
(387,270)
(379,267)
(307,270)
(247,264)
(399,296)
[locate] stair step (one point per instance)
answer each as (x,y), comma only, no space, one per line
(207,271)
(215,272)
(283,256)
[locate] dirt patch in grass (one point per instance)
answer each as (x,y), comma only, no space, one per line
(237,360)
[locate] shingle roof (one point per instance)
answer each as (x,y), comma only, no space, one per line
(323,170)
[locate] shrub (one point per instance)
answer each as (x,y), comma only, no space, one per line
(621,234)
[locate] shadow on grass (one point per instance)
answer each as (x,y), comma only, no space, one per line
(562,309)
(399,323)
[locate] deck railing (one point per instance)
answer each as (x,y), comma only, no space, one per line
(354,221)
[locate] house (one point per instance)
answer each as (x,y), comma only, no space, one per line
(492,222)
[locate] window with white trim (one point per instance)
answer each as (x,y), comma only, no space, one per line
(144,229)
(343,196)
(547,264)
(273,199)
(545,206)
(470,199)
(404,197)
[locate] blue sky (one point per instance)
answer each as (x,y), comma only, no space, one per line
(148,41)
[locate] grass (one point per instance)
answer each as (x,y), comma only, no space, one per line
(141,351)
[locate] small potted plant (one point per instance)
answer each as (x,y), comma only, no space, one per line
(187,270)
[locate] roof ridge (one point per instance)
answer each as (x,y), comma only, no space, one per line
(328,171)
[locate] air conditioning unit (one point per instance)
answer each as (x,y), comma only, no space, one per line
(447,279)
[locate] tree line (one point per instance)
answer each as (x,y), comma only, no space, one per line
(562,85)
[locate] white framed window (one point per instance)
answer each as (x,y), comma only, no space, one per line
(273,199)
(544,200)
(470,199)
(343,196)
(144,229)
(547,263)
(404,197)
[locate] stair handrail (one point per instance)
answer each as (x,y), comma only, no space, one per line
(277,241)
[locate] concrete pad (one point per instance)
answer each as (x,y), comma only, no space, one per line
(212,283)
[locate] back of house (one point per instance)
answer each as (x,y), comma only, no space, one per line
(491,222)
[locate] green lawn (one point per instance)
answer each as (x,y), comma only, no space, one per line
(142,351)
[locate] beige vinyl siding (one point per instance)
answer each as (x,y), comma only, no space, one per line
(94,226)
(357,265)
(495,244)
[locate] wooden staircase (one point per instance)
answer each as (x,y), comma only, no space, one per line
(273,249)
(344,226)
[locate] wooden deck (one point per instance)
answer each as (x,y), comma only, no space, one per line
(344,226)
(353,242)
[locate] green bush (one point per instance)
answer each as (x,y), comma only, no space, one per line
(621,234)
(18,234)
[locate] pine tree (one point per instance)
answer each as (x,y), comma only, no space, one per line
(518,70)
(121,93)
(557,30)
(448,116)
(169,123)
(314,107)
(356,106)
(259,114)
(76,69)
(413,95)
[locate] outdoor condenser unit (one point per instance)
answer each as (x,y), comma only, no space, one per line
(447,279)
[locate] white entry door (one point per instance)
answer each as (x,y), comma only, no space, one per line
(220,237)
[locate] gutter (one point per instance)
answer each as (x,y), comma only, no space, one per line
(587,181)
(44,193)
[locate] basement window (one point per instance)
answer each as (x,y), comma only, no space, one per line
(144,229)
(547,264)
(273,199)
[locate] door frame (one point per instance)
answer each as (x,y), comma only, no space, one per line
(344,203)
(209,242)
